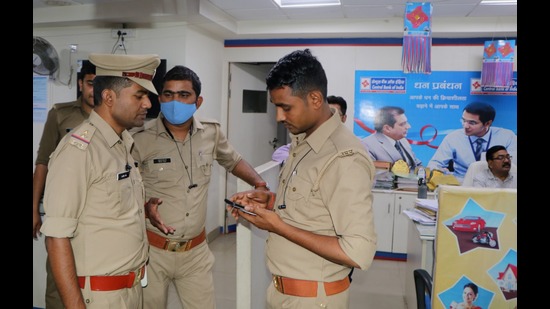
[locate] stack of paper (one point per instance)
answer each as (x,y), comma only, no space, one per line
(406,182)
(417,217)
(430,204)
(383,180)
(424,211)
(384,177)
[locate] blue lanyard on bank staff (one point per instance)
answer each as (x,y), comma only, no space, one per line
(486,147)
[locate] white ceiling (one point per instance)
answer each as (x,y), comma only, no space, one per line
(234,19)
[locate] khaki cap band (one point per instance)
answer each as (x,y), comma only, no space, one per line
(139,68)
(138,75)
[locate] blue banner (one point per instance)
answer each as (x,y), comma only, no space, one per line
(433,103)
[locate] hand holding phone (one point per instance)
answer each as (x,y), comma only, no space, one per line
(238,206)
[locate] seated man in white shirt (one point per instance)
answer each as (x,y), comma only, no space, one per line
(499,173)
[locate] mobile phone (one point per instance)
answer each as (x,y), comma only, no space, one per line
(238,206)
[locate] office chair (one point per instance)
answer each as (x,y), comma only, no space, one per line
(423,286)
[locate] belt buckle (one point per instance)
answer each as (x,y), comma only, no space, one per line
(135,277)
(278,283)
(181,246)
(177,246)
(167,243)
(187,245)
(139,273)
(171,245)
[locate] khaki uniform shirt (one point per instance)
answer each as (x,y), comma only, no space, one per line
(95,201)
(336,201)
(169,167)
(62,118)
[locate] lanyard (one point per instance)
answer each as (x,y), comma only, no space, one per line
(486,147)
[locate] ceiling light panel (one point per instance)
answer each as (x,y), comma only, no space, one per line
(498,2)
(305,3)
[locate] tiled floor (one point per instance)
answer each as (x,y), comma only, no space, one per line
(380,287)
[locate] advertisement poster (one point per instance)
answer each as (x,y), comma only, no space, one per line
(476,249)
(39,98)
(433,103)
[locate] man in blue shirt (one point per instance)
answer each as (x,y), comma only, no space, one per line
(465,146)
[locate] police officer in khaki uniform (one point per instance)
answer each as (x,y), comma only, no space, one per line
(175,153)
(321,222)
(61,119)
(95,221)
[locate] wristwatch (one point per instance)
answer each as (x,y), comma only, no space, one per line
(261,184)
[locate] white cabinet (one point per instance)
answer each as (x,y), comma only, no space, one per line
(383,220)
(400,221)
(390,222)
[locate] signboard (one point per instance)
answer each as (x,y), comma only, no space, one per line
(476,248)
(433,103)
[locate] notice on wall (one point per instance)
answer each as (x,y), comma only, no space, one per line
(433,103)
(476,249)
(39,98)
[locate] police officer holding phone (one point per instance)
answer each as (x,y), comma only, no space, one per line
(321,222)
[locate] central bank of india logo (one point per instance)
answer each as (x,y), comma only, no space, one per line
(365,83)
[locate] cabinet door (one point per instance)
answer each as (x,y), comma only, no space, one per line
(383,220)
(401,221)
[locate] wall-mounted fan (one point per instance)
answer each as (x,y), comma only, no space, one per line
(45,60)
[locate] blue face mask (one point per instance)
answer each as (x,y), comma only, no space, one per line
(177,112)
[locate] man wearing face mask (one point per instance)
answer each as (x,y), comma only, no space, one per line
(174,154)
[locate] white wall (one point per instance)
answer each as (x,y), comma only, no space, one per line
(341,62)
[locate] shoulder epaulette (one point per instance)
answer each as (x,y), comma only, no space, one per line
(133,133)
(63,105)
(135,130)
(209,120)
(81,137)
(343,153)
(346,153)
